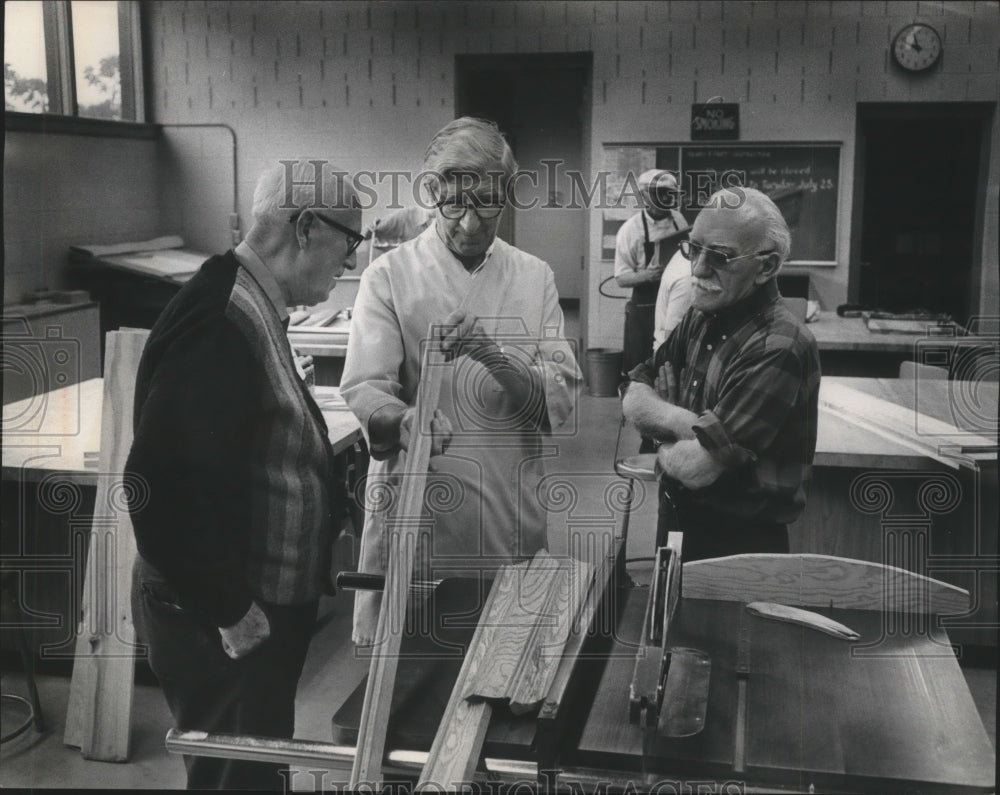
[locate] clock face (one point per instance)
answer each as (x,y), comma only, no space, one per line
(917,47)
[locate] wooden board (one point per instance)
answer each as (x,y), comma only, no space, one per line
(819,712)
(527,629)
(100,704)
(432,653)
(514,655)
(924,434)
(458,741)
(820,581)
(894,707)
(403,533)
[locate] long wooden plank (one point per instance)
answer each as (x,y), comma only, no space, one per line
(820,581)
(907,427)
(514,654)
(99,714)
(404,530)
(460,735)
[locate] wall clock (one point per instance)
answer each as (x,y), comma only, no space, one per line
(917,47)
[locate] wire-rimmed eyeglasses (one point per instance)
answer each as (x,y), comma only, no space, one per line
(715,259)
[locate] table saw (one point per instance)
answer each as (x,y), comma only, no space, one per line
(784,705)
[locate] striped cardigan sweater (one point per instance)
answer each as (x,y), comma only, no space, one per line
(236,497)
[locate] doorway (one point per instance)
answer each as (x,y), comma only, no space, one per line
(920,215)
(541,103)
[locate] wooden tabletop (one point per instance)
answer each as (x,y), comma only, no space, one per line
(329,340)
(819,709)
(841,443)
(51,432)
(835,333)
(885,712)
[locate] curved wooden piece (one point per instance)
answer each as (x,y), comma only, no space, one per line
(820,581)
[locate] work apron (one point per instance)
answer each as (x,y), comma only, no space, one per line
(640,310)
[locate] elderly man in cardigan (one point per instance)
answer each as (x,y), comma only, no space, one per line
(241,508)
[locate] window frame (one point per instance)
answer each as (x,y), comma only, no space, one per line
(63,115)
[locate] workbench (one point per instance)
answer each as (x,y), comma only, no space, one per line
(872,498)
(871,716)
(848,348)
(49,493)
(134,288)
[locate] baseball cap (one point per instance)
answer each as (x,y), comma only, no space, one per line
(658,179)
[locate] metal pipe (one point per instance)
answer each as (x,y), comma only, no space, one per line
(327,756)
(319,755)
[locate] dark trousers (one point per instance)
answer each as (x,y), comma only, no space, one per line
(208,691)
(637,345)
(710,534)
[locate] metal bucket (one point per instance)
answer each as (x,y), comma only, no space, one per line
(604,367)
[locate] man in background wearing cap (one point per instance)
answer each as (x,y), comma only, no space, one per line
(645,245)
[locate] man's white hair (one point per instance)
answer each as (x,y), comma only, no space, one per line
(762,209)
(295,184)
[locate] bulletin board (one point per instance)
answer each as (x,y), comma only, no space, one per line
(802,179)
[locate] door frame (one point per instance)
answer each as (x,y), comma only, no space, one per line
(584,61)
(978,113)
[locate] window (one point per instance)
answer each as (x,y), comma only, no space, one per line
(73,58)
(25,78)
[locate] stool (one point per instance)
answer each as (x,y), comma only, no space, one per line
(634,467)
(11,615)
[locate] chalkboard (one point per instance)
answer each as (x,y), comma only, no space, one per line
(803,180)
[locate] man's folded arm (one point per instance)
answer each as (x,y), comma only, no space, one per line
(689,463)
(655,417)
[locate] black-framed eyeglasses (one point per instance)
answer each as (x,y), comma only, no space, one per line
(485,211)
(354,239)
(716,260)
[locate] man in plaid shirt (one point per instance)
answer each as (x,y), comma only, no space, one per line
(731,396)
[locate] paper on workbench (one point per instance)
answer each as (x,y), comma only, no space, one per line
(168,262)
(114,249)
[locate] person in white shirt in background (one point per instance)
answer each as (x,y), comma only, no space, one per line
(645,244)
(673,298)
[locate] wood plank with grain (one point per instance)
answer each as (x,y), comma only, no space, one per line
(403,534)
(514,654)
(527,632)
(100,704)
(455,751)
(820,581)
(908,427)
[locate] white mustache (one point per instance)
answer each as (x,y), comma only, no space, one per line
(707,286)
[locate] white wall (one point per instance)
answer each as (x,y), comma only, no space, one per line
(367,84)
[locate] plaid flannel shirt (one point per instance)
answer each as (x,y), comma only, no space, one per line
(751,373)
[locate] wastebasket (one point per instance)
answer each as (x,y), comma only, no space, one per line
(604,367)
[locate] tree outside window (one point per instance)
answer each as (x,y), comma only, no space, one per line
(73,58)
(25,78)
